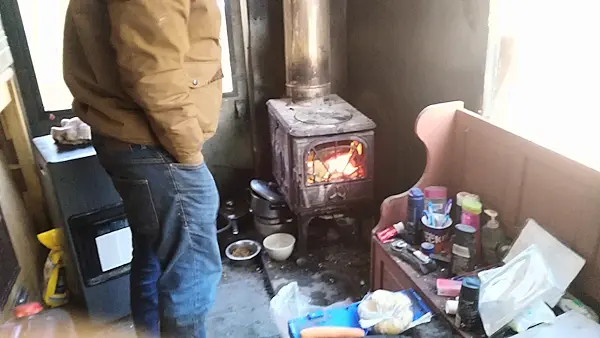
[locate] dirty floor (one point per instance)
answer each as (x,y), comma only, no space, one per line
(336,268)
(328,275)
(241,308)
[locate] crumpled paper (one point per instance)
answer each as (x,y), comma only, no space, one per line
(72,132)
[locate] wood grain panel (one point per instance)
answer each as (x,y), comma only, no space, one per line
(487,162)
(387,274)
(487,169)
(592,276)
(567,208)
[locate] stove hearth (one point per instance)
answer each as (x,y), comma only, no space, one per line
(323,157)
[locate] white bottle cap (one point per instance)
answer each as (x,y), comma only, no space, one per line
(493,222)
(399,227)
(492,213)
(451,307)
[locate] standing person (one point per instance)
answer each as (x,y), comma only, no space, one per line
(146,76)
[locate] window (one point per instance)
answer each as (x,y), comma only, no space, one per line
(43,23)
(225,54)
(543,74)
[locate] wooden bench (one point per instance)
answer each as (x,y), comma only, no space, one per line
(514,176)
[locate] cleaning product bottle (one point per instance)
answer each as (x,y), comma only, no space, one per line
(460,197)
(491,236)
(471,215)
(55,287)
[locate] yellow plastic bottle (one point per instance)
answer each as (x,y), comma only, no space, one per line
(55,283)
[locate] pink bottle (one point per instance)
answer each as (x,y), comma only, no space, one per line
(471,214)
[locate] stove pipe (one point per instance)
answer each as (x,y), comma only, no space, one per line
(307,48)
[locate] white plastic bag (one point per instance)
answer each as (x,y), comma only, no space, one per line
(536,313)
(508,290)
(289,303)
(386,312)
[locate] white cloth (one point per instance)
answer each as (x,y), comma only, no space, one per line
(72,131)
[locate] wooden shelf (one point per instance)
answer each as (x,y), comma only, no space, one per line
(16,135)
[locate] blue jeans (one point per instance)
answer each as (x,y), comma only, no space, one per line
(172,211)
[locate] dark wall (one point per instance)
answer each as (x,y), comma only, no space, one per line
(404,55)
(229,152)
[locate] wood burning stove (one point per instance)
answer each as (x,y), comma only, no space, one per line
(323,148)
(323,154)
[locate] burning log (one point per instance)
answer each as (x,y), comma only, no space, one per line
(339,166)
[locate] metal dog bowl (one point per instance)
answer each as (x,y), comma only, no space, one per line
(253,246)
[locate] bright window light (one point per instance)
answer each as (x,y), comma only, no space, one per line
(545,57)
(44,21)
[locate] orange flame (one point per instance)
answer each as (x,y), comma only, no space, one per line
(338,167)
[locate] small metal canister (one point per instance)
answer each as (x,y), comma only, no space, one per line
(464,249)
(467,314)
(416,204)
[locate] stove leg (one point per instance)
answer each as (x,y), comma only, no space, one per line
(357,227)
(303,223)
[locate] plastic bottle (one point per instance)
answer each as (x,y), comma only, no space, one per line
(471,212)
(438,196)
(460,197)
(491,236)
(31,320)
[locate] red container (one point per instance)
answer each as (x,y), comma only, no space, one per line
(388,234)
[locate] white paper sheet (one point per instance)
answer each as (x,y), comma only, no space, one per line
(564,262)
(114,249)
(570,324)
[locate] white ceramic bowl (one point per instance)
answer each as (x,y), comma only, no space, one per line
(279,246)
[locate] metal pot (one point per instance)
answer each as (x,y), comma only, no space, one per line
(262,208)
(266,227)
(266,202)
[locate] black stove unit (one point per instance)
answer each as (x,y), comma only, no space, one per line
(323,157)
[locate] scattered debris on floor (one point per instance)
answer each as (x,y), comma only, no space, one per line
(327,276)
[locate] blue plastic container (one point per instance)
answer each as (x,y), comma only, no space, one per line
(348,316)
